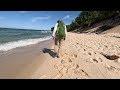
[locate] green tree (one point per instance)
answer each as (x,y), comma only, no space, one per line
(88,18)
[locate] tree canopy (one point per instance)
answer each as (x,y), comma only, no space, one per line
(88,18)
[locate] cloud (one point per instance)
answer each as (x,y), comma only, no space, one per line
(2,18)
(22,11)
(67,17)
(35,19)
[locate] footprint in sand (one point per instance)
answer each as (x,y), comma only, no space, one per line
(88,60)
(84,73)
(62,61)
(95,60)
(89,53)
(58,76)
(92,60)
(100,59)
(64,54)
(62,69)
(74,66)
(65,61)
(80,72)
(69,60)
(77,66)
(75,56)
(106,46)
(65,70)
(84,49)
(59,67)
(77,43)
(43,77)
(112,68)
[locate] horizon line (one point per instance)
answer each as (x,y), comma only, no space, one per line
(21,28)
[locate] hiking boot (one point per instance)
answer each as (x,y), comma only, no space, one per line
(55,55)
(58,56)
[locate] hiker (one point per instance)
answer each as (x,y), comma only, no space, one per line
(59,35)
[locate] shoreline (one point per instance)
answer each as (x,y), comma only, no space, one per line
(17,60)
(8,46)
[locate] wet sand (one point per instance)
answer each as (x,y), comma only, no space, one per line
(16,63)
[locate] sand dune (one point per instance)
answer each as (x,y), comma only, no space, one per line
(82,58)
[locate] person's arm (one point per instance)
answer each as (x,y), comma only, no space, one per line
(66,30)
(55,29)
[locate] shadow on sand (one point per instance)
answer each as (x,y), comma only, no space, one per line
(49,51)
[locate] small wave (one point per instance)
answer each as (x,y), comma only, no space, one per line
(20,43)
(45,31)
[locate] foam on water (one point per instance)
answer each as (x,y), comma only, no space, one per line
(20,43)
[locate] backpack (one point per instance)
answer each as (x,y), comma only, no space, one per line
(61,30)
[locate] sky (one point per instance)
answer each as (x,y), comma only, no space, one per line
(38,20)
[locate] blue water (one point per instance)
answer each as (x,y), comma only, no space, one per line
(12,38)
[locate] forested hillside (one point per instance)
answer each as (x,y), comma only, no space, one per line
(87,19)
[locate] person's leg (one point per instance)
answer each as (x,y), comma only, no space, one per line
(60,47)
(56,46)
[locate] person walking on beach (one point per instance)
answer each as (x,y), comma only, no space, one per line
(59,35)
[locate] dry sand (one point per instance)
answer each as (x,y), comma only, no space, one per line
(82,58)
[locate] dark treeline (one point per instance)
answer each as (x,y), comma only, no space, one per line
(89,18)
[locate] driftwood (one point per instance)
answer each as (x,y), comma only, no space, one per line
(111,57)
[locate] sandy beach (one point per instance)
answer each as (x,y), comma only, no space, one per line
(82,58)
(15,63)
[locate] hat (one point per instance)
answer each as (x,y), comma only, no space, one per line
(59,20)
